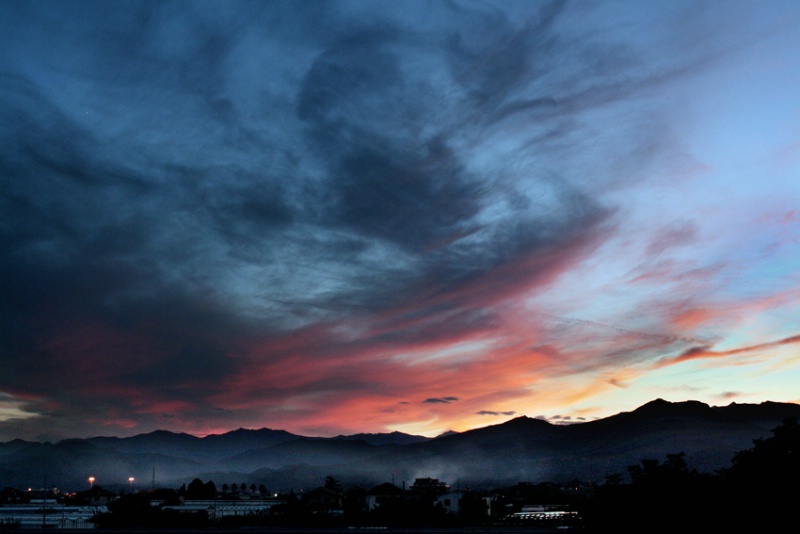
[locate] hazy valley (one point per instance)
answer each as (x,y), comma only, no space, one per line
(522,449)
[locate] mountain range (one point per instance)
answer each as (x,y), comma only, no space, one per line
(521,449)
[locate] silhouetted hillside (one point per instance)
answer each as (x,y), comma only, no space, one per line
(520,449)
(763,415)
(392,438)
(321,451)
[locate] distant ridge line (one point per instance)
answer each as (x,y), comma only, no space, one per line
(519,449)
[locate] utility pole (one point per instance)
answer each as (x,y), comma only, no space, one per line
(44,505)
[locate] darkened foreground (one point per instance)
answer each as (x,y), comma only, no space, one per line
(759,491)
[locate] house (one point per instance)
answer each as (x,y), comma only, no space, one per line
(428,488)
(383,494)
(465,503)
(41,514)
(215,509)
(450,501)
(544,514)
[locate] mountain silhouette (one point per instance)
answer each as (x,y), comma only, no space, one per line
(521,449)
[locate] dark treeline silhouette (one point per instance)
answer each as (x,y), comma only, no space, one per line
(757,492)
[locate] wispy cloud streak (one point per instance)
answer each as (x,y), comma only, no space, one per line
(335,216)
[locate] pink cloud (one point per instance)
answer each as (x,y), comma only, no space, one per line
(706,352)
(365,382)
(672,237)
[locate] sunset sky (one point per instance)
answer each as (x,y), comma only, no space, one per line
(366,216)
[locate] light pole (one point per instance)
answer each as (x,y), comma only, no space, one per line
(130,484)
(91,482)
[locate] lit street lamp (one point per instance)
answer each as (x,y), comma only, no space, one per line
(130,483)
(91,482)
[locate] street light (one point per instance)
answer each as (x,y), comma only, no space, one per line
(91,482)
(130,483)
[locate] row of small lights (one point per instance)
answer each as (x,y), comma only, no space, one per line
(92,479)
(130,482)
(91,484)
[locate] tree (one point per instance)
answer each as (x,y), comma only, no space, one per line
(194,490)
(771,460)
(764,477)
(332,484)
(197,490)
(650,472)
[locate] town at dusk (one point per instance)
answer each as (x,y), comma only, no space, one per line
(340,217)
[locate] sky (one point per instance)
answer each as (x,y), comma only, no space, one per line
(333,217)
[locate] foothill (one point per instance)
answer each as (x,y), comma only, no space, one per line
(758,490)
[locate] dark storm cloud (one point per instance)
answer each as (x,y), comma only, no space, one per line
(385,179)
(182,180)
(440,400)
(393,173)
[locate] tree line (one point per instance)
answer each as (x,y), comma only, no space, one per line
(758,491)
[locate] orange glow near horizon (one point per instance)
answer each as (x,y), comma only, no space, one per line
(332,234)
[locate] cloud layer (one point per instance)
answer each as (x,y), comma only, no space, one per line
(346,216)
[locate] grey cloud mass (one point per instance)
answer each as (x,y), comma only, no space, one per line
(183,181)
(492,412)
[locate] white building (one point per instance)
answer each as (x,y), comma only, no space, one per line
(43,514)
